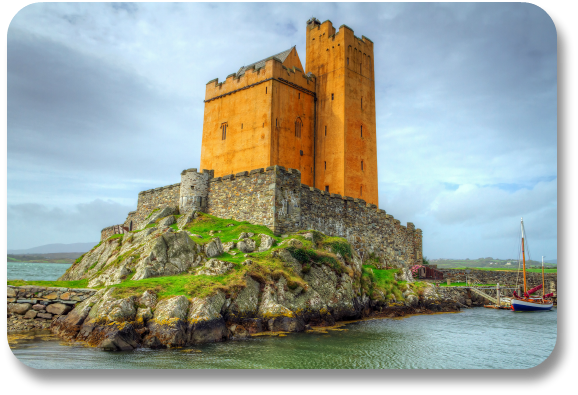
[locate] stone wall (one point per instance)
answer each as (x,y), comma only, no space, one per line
(245,196)
(504,278)
(276,198)
(44,303)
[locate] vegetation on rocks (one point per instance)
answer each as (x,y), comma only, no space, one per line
(216,278)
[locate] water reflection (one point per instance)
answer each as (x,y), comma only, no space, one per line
(476,338)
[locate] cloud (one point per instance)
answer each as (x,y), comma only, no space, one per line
(106,100)
(37,224)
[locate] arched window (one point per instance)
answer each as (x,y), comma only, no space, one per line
(298,126)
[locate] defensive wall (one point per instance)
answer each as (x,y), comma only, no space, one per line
(275,197)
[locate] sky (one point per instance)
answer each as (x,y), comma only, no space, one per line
(106,100)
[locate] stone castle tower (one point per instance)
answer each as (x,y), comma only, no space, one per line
(319,120)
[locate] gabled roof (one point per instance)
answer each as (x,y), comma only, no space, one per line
(257,65)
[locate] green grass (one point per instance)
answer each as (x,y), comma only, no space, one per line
(513,269)
(373,279)
(205,223)
(62,284)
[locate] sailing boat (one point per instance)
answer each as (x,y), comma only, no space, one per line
(526,302)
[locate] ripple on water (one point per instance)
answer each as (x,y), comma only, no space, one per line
(476,338)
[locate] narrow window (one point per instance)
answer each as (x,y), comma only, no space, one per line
(348,61)
(360,191)
(223,131)
(265,90)
(241,126)
(275,122)
(361,165)
(361,130)
(362,103)
(298,125)
(360,67)
(325,164)
(326,130)
(332,96)
(299,97)
(326,188)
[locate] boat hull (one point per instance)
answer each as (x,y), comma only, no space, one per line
(522,305)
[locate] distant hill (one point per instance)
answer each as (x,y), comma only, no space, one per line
(56,248)
(489,263)
(60,257)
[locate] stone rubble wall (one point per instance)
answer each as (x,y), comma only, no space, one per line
(504,278)
(44,303)
(245,196)
(275,197)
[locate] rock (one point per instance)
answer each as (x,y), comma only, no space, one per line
(163,212)
(242,236)
(46,316)
(288,260)
(412,300)
(153,342)
(215,267)
(11,292)
(69,325)
(19,308)
(229,246)
(186,219)
(148,298)
(295,243)
(168,255)
(143,314)
(116,337)
(238,332)
(229,225)
(246,245)
(250,234)
(214,248)
(246,302)
(58,308)
(309,236)
(286,324)
(30,314)
(266,243)
(167,221)
(195,235)
(169,321)
(206,324)
(38,307)
(253,325)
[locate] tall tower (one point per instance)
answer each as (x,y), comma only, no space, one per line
(345,142)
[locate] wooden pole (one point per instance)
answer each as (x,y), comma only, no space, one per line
(542,278)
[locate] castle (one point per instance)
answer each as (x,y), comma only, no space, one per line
(294,149)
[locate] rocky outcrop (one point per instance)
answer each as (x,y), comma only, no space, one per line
(214,248)
(156,215)
(246,245)
(215,267)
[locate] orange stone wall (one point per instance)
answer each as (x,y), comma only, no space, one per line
(341,85)
(260,120)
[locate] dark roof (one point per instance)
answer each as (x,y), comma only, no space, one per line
(257,65)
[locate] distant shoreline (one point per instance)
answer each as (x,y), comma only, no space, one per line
(60,261)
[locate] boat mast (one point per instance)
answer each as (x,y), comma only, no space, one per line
(542,277)
(523,256)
